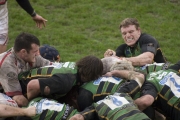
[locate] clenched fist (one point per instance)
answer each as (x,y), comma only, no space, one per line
(109,53)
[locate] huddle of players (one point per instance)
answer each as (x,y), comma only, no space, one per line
(110,97)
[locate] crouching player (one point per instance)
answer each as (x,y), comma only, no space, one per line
(114,107)
(117,106)
(160,90)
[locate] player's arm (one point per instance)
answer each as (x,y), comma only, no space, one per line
(148,51)
(9,111)
(129,75)
(25,4)
(148,95)
(142,59)
(88,114)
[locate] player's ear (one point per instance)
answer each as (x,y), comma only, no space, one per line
(23,52)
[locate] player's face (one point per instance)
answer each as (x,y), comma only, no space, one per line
(30,57)
(130,34)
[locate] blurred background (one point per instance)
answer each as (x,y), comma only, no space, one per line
(88,27)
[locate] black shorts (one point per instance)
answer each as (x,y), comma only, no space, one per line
(131,87)
(59,83)
(149,89)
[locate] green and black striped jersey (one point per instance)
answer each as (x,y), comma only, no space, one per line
(119,106)
(48,71)
(148,68)
(103,87)
(166,84)
(51,110)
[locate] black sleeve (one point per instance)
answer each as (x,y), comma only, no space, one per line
(148,43)
(89,113)
(22,118)
(84,99)
(131,87)
(149,89)
(25,4)
(120,50)
(175,67)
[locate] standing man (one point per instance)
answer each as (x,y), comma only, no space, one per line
(139,48)
(40,21)
(22,57)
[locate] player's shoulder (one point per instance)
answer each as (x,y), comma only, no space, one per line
(7,60)
(146,38)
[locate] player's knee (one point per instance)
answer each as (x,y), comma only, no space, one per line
(20,100)
(33,85)
(46,90)
(144,101)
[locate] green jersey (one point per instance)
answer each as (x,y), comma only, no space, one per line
(119,106)
(148,68)
(54,75)
(103,87)
(51,110)
(166,84)
(48,71)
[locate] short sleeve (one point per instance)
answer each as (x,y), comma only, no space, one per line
(9,79)
(40,61)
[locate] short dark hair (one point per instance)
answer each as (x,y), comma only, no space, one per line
(129,21)
(90,67)
(24,41)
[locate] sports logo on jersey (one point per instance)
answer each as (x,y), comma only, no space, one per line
(174,84)
(57,65)
(116,101)
(69,65)
(48,104)
(114,80)
(113,101)
(164,80)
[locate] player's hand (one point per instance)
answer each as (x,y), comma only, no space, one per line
(30,111)
(108,74)
(122,65)
(109,53)
(77,117)
(40,21)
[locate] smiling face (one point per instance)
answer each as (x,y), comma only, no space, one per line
(30,56)
(130,34)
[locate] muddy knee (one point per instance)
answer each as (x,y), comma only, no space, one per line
(46,90)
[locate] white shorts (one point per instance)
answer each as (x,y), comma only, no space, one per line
(3,24)
(6,100)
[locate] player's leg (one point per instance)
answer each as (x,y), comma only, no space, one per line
(3,27)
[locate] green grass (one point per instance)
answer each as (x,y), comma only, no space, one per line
(88,27)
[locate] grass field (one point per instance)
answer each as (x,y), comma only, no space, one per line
(82,27)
